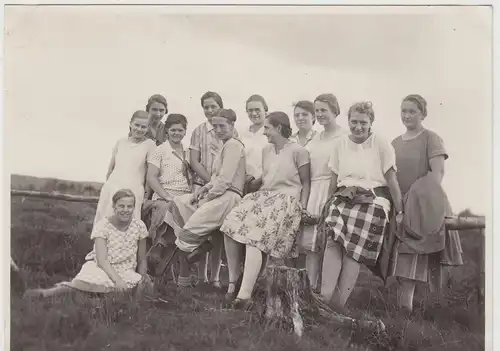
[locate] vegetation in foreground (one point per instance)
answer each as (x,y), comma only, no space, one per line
(51,238)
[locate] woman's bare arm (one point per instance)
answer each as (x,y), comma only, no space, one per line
(333,185)
(194,157)
(305,180)
(394,189)
(437,168)
(152,180)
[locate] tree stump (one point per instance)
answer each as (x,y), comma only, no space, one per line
(283,298)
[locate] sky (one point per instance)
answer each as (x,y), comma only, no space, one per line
(74,76)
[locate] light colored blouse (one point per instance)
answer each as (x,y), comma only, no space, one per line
(172,172)
(229,170)
(309,137)
(254,143)
(320,150)
(280,172)
(362,165)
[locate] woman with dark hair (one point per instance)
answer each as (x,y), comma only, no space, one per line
(420,158)
(203,149)
(354,219)
(311,241)
(168,166)
(119,248)
(198,216)
(169,175)
(303,115)
(253,138)
(127,167)
(157,107)
(267,221)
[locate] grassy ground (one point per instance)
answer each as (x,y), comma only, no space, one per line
(51,238)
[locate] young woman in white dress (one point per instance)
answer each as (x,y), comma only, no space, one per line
(311,242)
(127,168)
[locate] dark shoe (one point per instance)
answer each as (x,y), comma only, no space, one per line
(168,256)
(243,304)
(199,252)
(229,297)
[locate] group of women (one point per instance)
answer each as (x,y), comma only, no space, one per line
(333,195)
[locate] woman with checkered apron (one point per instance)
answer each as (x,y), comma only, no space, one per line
(363,189)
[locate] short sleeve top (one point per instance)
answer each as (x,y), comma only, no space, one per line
(172,170)
(362,165)
(122,245)
(413,156)
(280,171)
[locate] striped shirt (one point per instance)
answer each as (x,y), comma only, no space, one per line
(206,143)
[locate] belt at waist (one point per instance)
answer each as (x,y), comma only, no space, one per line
(236,191)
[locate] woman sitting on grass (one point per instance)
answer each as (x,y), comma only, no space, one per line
(119,248)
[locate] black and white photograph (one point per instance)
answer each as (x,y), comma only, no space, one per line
(250,177)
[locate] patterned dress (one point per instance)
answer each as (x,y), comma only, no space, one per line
(359,226)
(269,219)
(174,172)
(122,249)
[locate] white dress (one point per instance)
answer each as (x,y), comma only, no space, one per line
(129,173)
(320,149)
(254,143)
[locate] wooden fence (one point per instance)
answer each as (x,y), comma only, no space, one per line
(452,223)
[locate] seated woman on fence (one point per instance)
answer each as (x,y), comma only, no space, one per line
(127,168)
(311,243)
(421,250)
(267,221)
(169,175)
(195,217)
(119,249)
(354,218)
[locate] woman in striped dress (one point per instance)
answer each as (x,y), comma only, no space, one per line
(363,186)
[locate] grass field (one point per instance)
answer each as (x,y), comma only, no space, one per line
(51,238)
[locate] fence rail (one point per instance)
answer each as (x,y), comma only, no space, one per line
(452,223)
(55,196)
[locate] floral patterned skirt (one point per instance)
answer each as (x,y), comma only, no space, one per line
(267,220)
